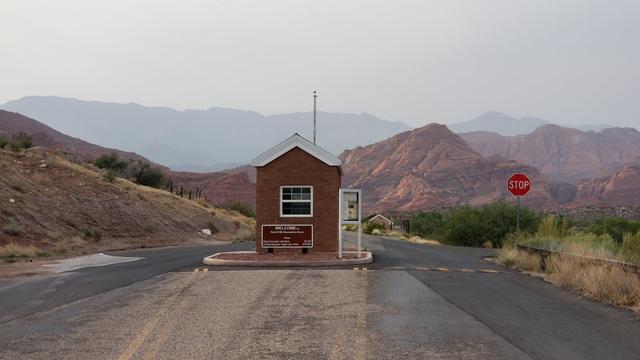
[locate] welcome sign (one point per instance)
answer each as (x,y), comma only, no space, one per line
(287,236)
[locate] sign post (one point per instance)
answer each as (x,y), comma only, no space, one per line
(519,185)
(350,214)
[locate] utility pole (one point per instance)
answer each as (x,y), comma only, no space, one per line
(315,105)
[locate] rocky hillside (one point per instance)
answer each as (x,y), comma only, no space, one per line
(563,155)
(621,188)
(220,187)
(432,167)
(61,207)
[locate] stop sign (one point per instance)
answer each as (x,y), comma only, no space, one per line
(519,184)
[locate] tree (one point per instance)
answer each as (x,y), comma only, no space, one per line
(111,162)
(150,176)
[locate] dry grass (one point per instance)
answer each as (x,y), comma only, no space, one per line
(521,260)
(606,283)
(13,250)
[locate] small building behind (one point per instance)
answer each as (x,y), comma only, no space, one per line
(297,191)
(381,220)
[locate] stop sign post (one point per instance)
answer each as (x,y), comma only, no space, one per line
(519,185)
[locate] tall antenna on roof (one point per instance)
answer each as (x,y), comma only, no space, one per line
(315,104)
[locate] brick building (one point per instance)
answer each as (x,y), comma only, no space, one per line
(297,186)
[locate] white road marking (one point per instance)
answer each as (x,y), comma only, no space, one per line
(88,261)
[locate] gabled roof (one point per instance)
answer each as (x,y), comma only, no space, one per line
(380,216)
(303,144)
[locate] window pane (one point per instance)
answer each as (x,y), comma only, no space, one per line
(286,193)
(296,208)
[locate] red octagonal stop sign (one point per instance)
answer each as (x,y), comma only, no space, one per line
(519,184)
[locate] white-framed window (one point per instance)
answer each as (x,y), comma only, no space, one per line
(296,201)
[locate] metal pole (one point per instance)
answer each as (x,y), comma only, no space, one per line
(315,102)
(340,224)
(517,214)
(359,223)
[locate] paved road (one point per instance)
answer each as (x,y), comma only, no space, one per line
(40,294)
(416,301)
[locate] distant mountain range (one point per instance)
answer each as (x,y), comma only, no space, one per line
(563,154)
(197,139)
(503,124)
(500,123)
(431,167)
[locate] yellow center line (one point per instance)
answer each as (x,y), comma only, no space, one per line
(151,324)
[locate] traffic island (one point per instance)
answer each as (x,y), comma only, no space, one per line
(262,259)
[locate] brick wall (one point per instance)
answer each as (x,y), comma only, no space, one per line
(297,167)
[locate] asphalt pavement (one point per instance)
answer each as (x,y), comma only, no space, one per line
(414,301)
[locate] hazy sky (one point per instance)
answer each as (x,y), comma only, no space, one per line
(568,61)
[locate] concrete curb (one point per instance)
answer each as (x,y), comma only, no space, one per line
(212,261)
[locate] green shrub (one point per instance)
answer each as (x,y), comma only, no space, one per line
(111,162)
(19,142)
(212,227)
(369,227)
(493,222)
(242,208)
(23,141)
(630,249)
(110,176)
(12,229)
(427,224)
(92,234)
(474,226)
(614,226)
(151,176)
(554,227)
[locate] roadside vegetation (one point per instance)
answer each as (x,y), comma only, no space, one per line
(140,172)
(487,225)
(575,261)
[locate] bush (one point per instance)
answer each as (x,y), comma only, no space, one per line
(19,142)
(630,249)
(427,224)
(22,141)
(151,176)
(111,162)
(94,235)
(12,229)
(614,226)
(369,227)
(242,208)
(554,227)
(469,226)
(109,175)
(212,227)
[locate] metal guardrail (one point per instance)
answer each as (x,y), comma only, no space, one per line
(545,253)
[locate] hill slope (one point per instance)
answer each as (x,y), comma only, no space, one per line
(13,123)
(197,137)
(432,167)
(620,188)
(56,206)
(563,154)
